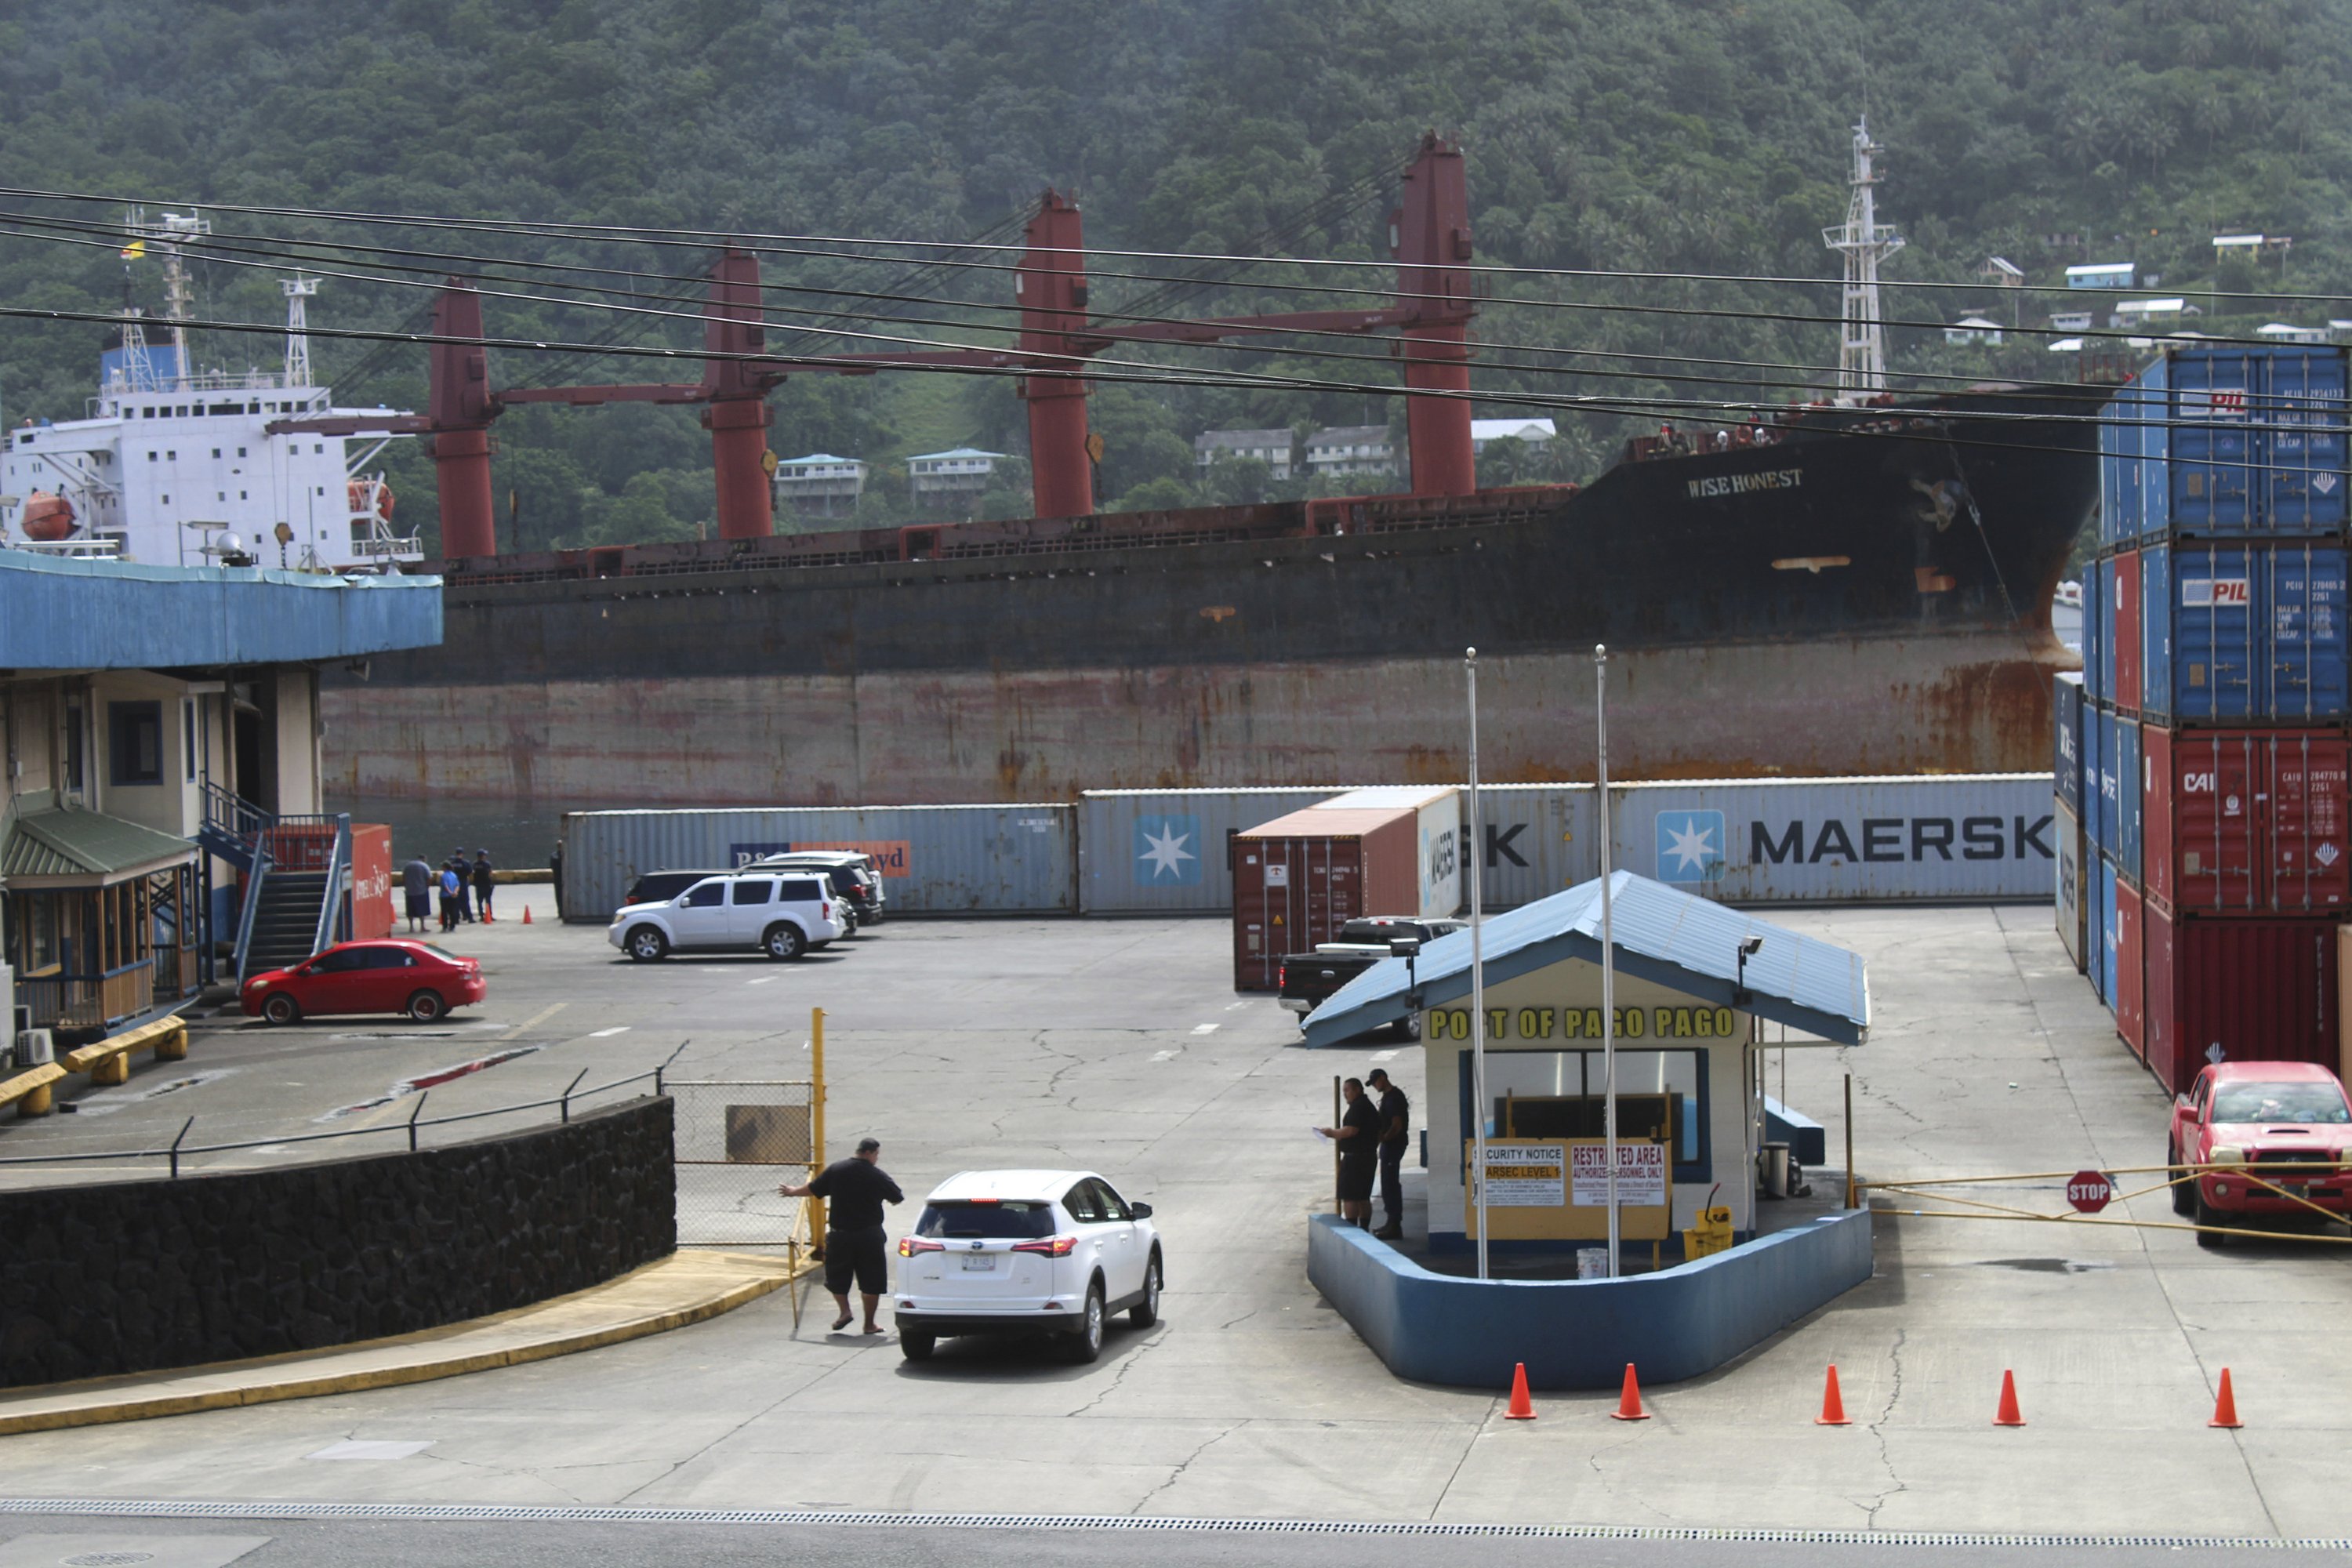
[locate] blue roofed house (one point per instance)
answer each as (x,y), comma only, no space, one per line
(1687,1101)
(159,728)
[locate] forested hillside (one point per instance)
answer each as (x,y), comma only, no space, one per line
(1707,137)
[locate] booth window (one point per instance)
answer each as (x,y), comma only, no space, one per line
(135,751)
(1661,1095)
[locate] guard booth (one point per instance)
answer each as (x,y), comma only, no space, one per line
(1694,979)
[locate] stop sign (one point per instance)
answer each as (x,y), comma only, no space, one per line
(2089,1191)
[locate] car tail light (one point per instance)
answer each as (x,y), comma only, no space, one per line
(1051,1247)
(910,1245)
(824,911)
(1281,976)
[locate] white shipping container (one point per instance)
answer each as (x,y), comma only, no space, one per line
(1167,852)
(1843,840)
(1539,839)
(934,860)
(1437,810)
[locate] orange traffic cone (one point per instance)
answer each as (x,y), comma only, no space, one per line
(1522,1408)
(526,914)
(2008,1414)
(2225,1407)
(1629,1402)
(1833,1404)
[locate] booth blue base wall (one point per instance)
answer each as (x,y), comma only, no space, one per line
(1580,1334)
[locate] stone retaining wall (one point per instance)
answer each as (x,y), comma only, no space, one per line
(139,1276)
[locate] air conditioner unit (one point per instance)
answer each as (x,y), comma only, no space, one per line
(36,1047)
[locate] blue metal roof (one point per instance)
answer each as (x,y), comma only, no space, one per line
(1673,938)
(65,614)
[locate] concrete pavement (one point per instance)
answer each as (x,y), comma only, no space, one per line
(1117,1045)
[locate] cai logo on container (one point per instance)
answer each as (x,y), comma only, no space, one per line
(1168,850)
(1690,845)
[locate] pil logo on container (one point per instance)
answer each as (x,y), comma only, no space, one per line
(1168,850)
(2216,593)
(1690,845)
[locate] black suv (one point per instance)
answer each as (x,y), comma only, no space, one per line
(661,887)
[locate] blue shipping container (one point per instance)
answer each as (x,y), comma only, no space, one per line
(2106,575)
(2103,972)
(2122,508)
(2093,736)
(2305,416)
(2125,750)
(2237,441)
(2214,450)
(2091,689)
(2067,755)
(2244,634)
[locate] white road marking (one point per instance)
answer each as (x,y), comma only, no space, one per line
(542,1016)
(761,980)
(1204,1028)
(605,1034)
(1235,1006)
(1384,1056)
(1165,1056)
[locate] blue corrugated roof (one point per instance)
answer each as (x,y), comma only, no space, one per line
(1673,938)
(65,614)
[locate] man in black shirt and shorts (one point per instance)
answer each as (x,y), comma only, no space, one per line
(855,1246)
(1358,1135)
(1396,1130)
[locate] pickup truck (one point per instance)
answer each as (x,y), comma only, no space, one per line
(1309,979)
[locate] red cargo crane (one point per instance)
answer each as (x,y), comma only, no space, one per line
(1429,231)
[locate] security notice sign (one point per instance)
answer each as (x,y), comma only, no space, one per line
(1525,1175)
(1640,1175)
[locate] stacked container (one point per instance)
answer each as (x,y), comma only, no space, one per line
(2217,690)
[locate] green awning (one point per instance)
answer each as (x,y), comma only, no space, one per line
(66,847)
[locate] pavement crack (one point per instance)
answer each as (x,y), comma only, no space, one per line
(1878,1433)
(1184,1465)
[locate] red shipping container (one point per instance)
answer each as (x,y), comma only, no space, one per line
(2259,990)
(2131,973)
(2126,696)
(2247,822)
(372,912)
(1298,879)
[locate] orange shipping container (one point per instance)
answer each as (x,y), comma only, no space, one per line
(372,912)
(1298,879)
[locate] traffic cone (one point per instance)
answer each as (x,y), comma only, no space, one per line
(1833,1404)
(526,914)
(1629,1402)
(2225,1407)
(2008,1414)
(1522,1409)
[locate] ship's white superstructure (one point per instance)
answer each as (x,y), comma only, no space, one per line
(174,465)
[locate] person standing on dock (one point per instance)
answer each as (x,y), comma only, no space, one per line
(456,862)
(485,879)
(1396,1128)
(417,882)
(856,1248)
(1358,1135)
(453,893)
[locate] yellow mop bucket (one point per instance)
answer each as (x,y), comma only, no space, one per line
(1710,1229)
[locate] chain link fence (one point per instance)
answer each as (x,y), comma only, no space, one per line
(737,1142)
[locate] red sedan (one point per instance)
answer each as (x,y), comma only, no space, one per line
(389,976)
(2273,1137)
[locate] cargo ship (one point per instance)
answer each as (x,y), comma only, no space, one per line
(1861,590)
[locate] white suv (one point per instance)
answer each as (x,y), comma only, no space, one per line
(782,914)
(1002,1252)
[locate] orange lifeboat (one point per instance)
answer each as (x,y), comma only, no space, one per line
(369,496)
(47,518)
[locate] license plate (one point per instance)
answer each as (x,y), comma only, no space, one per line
(2296,1189)
(975,1262)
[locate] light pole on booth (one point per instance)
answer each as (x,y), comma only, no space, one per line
(1607,951)
(1477,974)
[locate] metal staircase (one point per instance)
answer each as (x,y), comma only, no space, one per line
(298,878)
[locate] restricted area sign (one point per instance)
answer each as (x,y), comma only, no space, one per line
(2089,1191)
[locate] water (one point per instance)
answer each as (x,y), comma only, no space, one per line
(519,834)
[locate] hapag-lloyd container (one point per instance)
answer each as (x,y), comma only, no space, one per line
(2235,634)
(2068,833)
(1298,879)
(2103,973)
(2130,977)
(935,860)
(1968,835)
(2124,632)
(2259,990)
(2249,821)
(1170,851)
(2066,751)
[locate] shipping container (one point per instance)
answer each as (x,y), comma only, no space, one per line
(2126,632)
(2094,690)
(1967,836)
(2245,635)
(2249,821)
(1539,838)
(2103,974)
(2067,751)
(2216,442)
(1166,852)
(2251,990)
(2131,976)
(2122,510)
(2068,832)
(2211,452)
(2095,814)
(2130,787)
(372,909)
(1438,813)
(2108,593)
(1298,879)
(2304,468)
(934,860)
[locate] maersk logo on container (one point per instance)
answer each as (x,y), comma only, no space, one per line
(1691,845)
(1167,850)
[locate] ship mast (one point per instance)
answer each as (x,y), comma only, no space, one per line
(1864,243)
(166,233)
(299,290)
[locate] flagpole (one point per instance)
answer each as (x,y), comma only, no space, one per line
(1478,972)
(1607,953)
